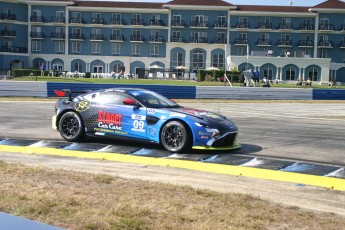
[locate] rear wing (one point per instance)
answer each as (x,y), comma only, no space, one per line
(63,92)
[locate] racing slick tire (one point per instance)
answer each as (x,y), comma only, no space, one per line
(71,127)
(175,136)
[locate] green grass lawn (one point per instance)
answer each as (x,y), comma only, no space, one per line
(149,81)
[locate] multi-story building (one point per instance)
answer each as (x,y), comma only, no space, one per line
(284,42)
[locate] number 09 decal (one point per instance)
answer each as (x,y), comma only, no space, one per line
(139,124)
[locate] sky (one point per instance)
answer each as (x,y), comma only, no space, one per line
(255,2)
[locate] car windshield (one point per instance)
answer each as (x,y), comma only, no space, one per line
(151,99)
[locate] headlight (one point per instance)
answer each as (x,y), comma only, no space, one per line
(200,124)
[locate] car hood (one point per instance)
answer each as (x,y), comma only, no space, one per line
(201,114)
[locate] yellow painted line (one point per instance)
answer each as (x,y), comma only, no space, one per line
(320,181)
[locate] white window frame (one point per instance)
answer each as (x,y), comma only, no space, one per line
(59,46)
(96,47)
(115,48)
(154,50)
(36,46)
(76,47)
(135,49)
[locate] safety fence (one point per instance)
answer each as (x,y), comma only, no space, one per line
(46,89)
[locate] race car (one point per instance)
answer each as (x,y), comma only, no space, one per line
(143,115)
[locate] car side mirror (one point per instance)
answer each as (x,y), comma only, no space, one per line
(130,101)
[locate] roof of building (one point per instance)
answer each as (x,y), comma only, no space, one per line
(331,4)
(296,9)
(116,4)
(199,3)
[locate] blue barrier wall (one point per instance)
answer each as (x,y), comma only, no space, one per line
(177,92)
(328,94)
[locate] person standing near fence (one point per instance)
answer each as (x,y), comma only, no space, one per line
(43,68)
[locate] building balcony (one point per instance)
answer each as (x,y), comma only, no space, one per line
(199,40)
(8,33)
(38,19)
(265,26)
(177,39)
(198,25)
(9,17)
(76,20)
(285,26)
(156,23)
(97,21)
(135,38)
(57,36)
(178,24)
(13,49)
(137,22)
(116,38)
(242,25)
(57,19)
(264,42)
(342,45)
(96,37)
(241,42)
(37,35)
(305,43)
(342,28)
(284,43)
(325,44)
(219,41)
(77,37)
(220,25)
(306,27)
(329,27)
(119,22)
(156,39)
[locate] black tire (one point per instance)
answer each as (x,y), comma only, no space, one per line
(175,136)
(71,127)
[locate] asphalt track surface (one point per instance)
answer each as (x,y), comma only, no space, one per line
(301,132)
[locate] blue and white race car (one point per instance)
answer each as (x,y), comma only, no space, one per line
(140,114)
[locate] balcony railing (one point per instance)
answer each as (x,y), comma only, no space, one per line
(5,16)
(13,49)
(305,43)
(97,21)
(37,19)
(77,36)
(157,39)
(137,22)
(241,41)
(177,39)
(36,35)
(325,44)
(329,27)
(242,25)
(285,26)
(156,23)
(199,24)
(97,37)
(57,19)
(264,42)
(342,44)
(115,37)
(59,36)
(220,25)
(8,33)
(115,21)
(306,27)
(135,38)
(177,24)
(283,42)
(199,40)
(265,26)
(77,20)
(219,41)
(342,28)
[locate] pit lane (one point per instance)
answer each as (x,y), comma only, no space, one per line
(303,138)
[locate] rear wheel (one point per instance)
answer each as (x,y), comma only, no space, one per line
(71,127)
(175,136)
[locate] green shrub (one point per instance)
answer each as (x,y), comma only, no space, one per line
(25,72)
(87,75)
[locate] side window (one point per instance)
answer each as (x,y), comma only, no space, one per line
(112,98)
(93,97)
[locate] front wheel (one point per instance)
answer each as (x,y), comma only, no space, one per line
(175,136)
(71,127)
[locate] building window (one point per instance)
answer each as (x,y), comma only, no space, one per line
(242,51)
(78,67)
(96,48)
(135,49)
(197,59)
(313,74)
(290,74)
(218,61)
(115,48)
(117,68)
(154,49)
(59,46)
(36,46)
(322,53)
(177,59)
(268,73)
(76,47)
